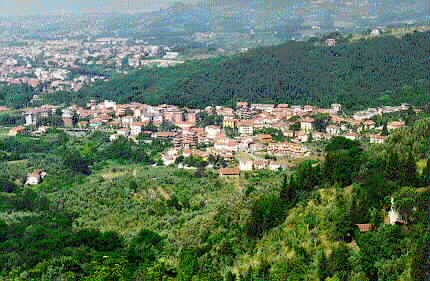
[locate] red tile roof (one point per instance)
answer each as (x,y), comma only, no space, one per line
(138,124)
(246,123)
(229,171)
(366,227)
(165,134)
(308,120)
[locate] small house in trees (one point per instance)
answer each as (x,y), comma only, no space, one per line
(395,125)
(42,130)
(16,131)
(35,177)
(365,227)
(352,136)
(335,108)
(369,124)
(377,139)
(331,42)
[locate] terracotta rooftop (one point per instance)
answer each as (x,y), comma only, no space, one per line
(166,134)
(138,124)
(264,136)
(308,120)
(246,123)
(366,227)
(396,124)
(229,171)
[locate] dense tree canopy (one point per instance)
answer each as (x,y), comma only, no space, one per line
(103,214)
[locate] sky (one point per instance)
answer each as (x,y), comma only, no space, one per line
(42,7)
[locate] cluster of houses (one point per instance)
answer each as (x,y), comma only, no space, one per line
(238,134)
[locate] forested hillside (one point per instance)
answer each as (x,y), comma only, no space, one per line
(384,70)
(104,213)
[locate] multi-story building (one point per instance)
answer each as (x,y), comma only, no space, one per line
(246,127)
(333,130)
(136,128)
(229,123)
(33,115)
(186,139)
(212,131)
(307,124)
(68,117)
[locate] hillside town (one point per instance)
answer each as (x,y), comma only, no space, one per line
(59,65)
(256,136)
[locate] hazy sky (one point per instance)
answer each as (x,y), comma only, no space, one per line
(34,7)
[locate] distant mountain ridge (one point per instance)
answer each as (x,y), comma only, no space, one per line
(236,24)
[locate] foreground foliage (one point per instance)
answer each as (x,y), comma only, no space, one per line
(118,218)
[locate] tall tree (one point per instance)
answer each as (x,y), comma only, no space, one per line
(426,173)
(288,189)
(384,131)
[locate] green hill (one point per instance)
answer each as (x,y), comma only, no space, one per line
(383,70)
(122,219)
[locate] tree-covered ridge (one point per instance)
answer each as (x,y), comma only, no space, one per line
(383,70)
